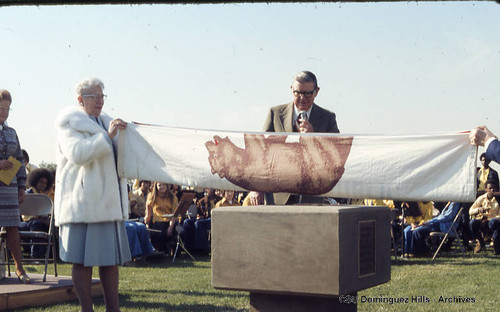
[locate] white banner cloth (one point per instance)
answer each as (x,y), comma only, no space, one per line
(439,167)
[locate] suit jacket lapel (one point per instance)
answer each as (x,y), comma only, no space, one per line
(287,119)
(315,117)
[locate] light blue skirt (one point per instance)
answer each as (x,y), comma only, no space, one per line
(94,244)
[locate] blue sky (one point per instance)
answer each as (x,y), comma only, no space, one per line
(383,68)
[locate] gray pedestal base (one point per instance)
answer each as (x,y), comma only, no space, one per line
(266,302)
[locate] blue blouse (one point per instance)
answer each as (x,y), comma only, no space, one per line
(9,146)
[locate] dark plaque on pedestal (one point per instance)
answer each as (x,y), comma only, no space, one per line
(366,248)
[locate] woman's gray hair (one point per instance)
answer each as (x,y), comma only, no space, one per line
(84,86)
(305,77)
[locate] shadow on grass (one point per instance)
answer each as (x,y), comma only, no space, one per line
(139,305)
(468,260)
(182,262)
(215,293)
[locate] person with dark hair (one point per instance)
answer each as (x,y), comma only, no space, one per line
(11,192)
(440,223)
(204,205)
(138,236)
(161,202)
(485,213)
(29,166)
(203,225)
(485,174)
(40,181)
(137,200)
(414,220)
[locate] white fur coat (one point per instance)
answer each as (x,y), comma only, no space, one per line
(88,189)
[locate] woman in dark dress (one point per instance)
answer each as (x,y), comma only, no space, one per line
(11,194)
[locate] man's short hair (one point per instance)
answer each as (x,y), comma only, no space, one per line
(486,159)
(495,186)
(25,156)
(5,95)
(306,76)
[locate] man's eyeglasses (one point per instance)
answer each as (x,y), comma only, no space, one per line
(95,96)
(307,94)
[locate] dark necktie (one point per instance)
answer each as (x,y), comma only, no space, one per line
(98,121)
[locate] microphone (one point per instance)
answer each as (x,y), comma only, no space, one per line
(302,116)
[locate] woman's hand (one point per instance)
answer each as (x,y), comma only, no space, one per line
(5,164)
(115,125)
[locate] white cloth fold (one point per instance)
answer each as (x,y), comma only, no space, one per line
(440,167)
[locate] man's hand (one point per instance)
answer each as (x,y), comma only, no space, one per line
(479,135)
(256,198)
(305,126)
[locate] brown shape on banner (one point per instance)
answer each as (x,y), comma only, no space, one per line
(312,166)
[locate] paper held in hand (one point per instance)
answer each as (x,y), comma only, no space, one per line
(182,207)
(6,176)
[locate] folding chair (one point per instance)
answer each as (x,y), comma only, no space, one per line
(450,234)
(36,205)
(180,243)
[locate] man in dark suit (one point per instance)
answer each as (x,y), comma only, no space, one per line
(484,137)
(288,117)
(300,115)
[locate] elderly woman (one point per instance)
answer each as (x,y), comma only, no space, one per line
(91,201)
(12,193)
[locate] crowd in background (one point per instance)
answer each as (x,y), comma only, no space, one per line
(152,228)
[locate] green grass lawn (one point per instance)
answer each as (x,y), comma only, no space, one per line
(161,285)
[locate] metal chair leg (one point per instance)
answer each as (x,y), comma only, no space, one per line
(181,244)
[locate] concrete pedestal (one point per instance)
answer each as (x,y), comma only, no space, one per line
(309,253)
(265,302)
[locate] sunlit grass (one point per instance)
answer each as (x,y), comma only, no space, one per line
(185,285)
